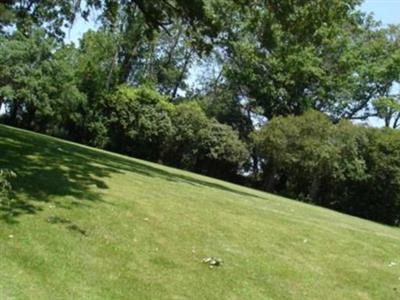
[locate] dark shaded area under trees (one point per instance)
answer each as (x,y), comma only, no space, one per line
(305,68)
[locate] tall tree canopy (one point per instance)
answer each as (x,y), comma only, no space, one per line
(51,15)
(37,83)
(290,56)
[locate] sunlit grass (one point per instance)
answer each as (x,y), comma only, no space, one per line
(88,224)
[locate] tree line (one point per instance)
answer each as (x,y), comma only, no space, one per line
(262,93)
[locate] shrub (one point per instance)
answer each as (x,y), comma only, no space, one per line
(204,145)
(139,122)
(349,168)
(6,188)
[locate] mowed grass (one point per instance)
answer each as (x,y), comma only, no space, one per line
(94,225)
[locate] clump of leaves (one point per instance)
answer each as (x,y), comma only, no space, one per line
(6,199)
(212,261)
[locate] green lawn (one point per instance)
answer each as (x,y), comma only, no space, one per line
(94,225)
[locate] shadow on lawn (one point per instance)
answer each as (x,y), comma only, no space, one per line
(46,169)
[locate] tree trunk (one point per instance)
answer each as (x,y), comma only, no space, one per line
(125,69)
(270,177)
(396,121)
(14,112)
(387,121)
(314,188)
(110,72)
(255,165)
(182,75)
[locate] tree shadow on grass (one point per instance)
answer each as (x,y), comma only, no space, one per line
(48,169)
(44,172)
(148,170)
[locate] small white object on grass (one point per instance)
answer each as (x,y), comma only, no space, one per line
(392,264)
(11,236)
(212,261)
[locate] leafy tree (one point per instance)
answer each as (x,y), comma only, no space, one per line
(28,14)
(159,14)
(382,76)
(221,103)
(204,145)
(173,56)
(188,119)
(377,198)
(221,153)
(143,55)
(95,63)
(6,14)
(139,122)
(6,189)
(290,56)
(308,156)
(96,73)
(377,74)
(342,166)
(163,60)
(107,59)
(38,84)
(388,109)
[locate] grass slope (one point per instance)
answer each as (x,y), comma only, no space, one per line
(95,225)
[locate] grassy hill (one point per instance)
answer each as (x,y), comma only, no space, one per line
(94,225)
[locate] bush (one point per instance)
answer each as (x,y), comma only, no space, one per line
(139,122)
(378,197)
(302,155)
(221,151)
(346,167)
(203,145)
(6,189)
(143,123)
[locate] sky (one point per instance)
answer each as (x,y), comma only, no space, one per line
(386,11)
(80,27)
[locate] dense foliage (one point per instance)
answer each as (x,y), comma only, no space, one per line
(204,145)
(38,85)
(350,168)
(190,84)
